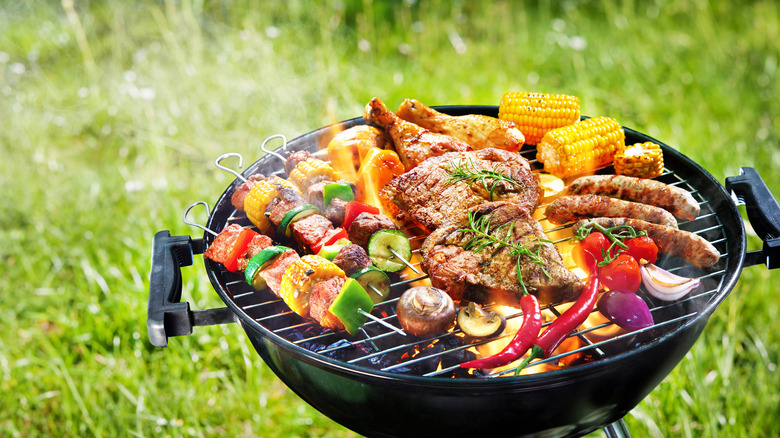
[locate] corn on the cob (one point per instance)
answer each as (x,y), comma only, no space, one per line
(259,197)
(310,171)
(641,160)
(299,279)
(535,114)
(580,147)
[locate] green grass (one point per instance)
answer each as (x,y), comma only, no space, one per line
(113,113)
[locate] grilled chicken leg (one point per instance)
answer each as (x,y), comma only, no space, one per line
(477,130)
(413,143)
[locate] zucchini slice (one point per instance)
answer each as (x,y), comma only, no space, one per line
(381,246)
(259,262)
(375,282)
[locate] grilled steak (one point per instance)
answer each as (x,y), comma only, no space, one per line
(220,248)
(287,200)
(237,199)
(257,244)
(310,230)
(366,224)
(570,208)
(429,196)
(677,201)
(688,246)
(489,275)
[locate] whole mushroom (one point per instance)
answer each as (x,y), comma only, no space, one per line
(425,311)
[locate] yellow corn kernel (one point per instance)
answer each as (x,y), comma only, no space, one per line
(641,160)
(299,279)
(310,171)
(581,147)
(257,200)
(535,114)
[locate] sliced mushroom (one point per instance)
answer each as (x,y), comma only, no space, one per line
(425,311)
(476,322)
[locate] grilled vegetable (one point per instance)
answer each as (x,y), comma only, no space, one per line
(336,191)
(375,281)
(331,251)
(354,208)
(524,338)
(425,311)
(348,148)
(664,285)
(294,215)
(569,320)
(387,247)
(622,272)
(377,168)
(535,114)
(238,248)
(330,238)
(299,279)
(626,309)
(641,160)
(348,305)
(258,198)
(479,323)
(580,147)
(310,171)
(259,262)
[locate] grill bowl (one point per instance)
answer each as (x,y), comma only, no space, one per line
(374,402)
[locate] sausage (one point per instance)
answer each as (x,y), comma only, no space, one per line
(570,208)
(688,246)
(675,200)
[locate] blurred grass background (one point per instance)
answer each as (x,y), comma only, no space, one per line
(113,113)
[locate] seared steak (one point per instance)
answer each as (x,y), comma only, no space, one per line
(430,194)
(489,275)
(365,225)
(352,258)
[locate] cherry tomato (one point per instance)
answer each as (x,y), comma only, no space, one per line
(590,251)
(621,273)
(642,247)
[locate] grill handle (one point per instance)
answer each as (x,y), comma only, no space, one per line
(166,314)
(763,211)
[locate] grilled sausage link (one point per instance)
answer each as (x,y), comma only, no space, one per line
(675,200)
(688,246)
(570,208)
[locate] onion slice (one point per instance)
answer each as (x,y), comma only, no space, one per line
(664,285)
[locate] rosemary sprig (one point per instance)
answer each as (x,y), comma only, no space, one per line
(467,171)
(500,238)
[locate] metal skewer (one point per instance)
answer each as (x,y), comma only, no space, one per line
(406,262)
(386,324)
(193,224)
(219,165)
(274,153)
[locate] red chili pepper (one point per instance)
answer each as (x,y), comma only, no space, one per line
(239,248)
(353,209)
(525,337)
(569,320)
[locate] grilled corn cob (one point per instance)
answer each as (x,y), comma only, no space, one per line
(535,114)
(310,171)
(580,147)
(258,199)
(299,279)
(641,160)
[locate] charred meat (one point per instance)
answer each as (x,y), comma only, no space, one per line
(352,258)
(468,270)
(365,225)
(444,188)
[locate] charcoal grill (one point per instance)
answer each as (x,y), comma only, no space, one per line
(380,383)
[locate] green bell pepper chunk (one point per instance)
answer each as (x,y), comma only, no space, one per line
(336,191)
(347,304)
(331,251)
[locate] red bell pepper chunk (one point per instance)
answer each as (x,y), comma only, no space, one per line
(239,248)
(354,208)
(329,239)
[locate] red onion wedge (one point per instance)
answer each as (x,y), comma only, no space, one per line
(664,285)
(626,309)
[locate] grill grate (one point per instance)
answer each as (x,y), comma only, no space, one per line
(379,348)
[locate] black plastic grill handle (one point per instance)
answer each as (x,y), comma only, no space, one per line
(166,314)
(763,211)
